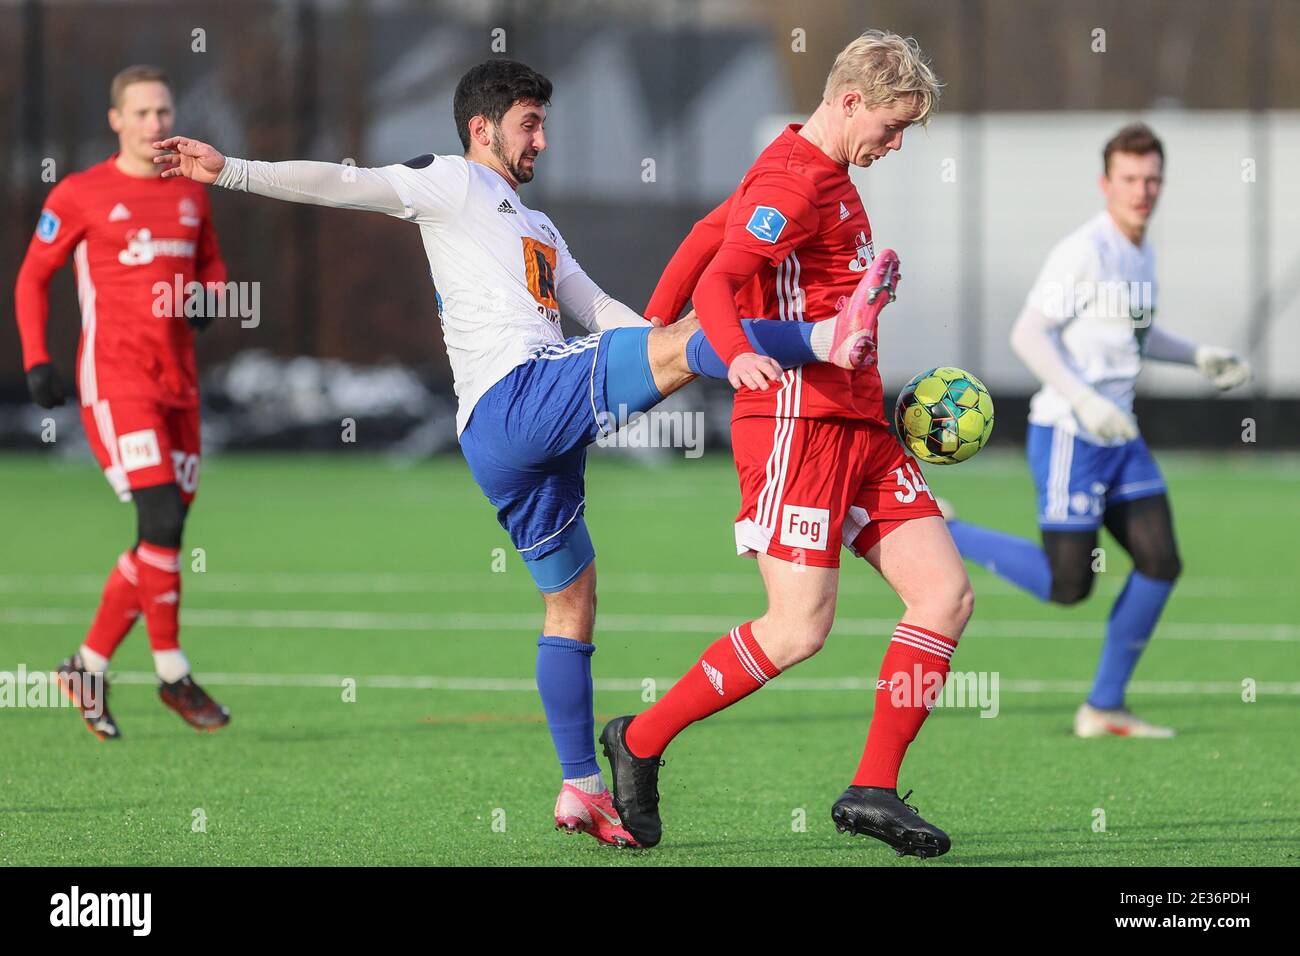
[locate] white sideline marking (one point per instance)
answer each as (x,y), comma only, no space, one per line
(813,684)
(648,582)
(515,623)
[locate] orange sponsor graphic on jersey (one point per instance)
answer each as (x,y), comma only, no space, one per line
(539,266)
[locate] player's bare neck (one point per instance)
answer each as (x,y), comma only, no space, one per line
(136,169)
(1134,234)
(817,132)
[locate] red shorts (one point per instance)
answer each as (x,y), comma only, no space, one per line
(810,485)
(140,444)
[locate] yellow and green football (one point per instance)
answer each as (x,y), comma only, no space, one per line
(944,415)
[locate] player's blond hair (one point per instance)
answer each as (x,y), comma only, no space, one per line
(885,68)
(140,73)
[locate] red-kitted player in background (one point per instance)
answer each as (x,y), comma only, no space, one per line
(131,233)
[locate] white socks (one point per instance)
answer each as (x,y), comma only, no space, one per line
(823,334)
(92,661)
(593,784)
(170,665)
(173,665)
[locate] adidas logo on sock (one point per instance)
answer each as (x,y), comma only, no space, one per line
(507,208)
(714,675)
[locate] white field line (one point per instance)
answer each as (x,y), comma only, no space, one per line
(486,582)
(528,622)
(784,682)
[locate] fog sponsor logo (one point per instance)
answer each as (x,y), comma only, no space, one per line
(138,450)
(75,908)
(805,527)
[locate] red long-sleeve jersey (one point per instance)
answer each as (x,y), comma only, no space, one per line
(130,238)
(797,209)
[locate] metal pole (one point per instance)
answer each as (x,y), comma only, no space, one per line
(971,177)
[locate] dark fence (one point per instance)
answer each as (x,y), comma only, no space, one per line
(328,81)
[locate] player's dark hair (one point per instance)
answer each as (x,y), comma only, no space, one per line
(1136,138)
(133,74)
(491,88)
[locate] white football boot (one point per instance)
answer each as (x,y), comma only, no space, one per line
(1090,721)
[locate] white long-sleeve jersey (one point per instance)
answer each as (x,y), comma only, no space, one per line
(502,271)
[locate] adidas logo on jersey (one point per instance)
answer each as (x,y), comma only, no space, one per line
(714,675)
(507,208)
(119,213)
(844,212)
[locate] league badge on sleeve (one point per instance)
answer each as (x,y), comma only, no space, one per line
(766,223)
(47,227)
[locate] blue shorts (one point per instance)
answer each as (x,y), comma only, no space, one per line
(526,440)
(1078,480)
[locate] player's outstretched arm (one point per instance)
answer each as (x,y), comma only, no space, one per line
(339,185)
(1223,367)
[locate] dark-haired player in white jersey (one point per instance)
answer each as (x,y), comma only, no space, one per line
(530,400)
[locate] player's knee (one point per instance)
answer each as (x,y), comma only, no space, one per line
(791,638)
(954,604)
(1161,566)
(1071,587)
(570,615)
(964,606)
(574,602)
(160,515)
(804,643)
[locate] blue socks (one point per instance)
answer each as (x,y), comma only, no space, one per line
(564,681)
(1021,562)
(1132,620)
(790,343)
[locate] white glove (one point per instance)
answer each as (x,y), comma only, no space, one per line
(1224,367)
(1099,415)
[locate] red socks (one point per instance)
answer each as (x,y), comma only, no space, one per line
(119,606)
(731,669)
(160,593)
(911,678)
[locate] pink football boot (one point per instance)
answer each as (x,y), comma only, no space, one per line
(594,813)
(854,343)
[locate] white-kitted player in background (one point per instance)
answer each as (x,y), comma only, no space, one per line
(1085,330)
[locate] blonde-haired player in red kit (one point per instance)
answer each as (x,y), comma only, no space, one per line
(130,232)
(818,464)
